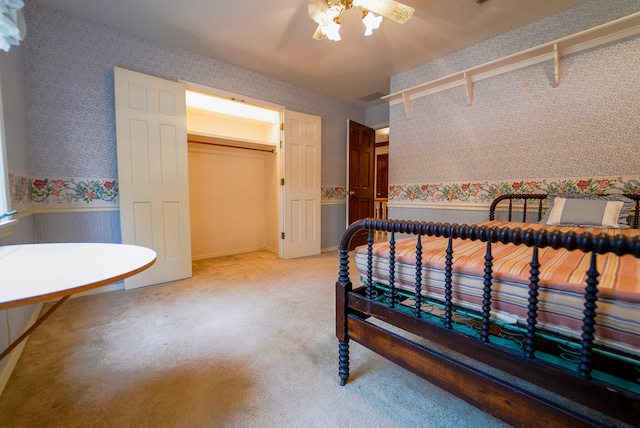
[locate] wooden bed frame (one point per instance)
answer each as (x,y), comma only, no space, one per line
(355,311)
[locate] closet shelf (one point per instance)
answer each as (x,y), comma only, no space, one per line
(606,33)
(221,140)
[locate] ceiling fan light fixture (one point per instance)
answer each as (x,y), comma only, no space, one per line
(370,21)
(332,29)
(326,13)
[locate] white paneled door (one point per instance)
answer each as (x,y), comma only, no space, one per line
(301,190)
(153,173)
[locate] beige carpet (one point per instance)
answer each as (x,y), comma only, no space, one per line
(247,342)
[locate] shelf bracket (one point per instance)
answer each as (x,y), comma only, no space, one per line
(556,57)
(469,85)
(407,104)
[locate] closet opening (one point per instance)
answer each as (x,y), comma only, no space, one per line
(234,173)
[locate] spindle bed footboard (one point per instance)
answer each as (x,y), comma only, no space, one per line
(505,295)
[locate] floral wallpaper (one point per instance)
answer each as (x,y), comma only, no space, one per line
(93,191)
(74,191)
(475,192)
(521,123)
(69,72)
(486,191)
(26,191)
(334,193)
(19,190)
(85,192)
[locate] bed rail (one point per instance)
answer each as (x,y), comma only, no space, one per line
(354,307)
(540,198)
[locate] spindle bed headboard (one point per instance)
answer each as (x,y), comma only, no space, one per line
(534,319)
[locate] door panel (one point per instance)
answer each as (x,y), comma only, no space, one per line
(360,201)
(171,217)
(301,190)
(168,154)
(142,224)
(153,173)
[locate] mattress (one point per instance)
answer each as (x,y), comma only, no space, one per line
(561,287)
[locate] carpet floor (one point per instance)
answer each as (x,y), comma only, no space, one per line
(247,342)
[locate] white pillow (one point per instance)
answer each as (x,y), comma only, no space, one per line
(585,212)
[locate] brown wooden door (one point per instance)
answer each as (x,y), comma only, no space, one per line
(361,175)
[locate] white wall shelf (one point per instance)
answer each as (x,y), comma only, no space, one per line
(606,33)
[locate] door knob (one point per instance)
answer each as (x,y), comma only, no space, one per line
(352,192)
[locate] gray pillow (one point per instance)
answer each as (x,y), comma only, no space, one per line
(570,209)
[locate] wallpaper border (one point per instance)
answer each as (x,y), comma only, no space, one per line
(26,191)
(334,193)
(19,190)
(482,192)
(30,192)
(74,192)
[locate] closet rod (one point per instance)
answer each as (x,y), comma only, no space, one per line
(233,147)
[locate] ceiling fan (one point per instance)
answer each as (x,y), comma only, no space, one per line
(326,13)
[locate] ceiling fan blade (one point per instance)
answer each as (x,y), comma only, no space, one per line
(390,9)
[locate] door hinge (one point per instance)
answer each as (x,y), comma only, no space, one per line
(282,181)
(282,235)
(282,126)
(280,144)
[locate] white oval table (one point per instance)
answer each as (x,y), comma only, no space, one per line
(34,273)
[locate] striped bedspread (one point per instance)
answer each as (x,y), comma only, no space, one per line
(562,282)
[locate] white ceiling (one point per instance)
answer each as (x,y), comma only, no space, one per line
(273,37)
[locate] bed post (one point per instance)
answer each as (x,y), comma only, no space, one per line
(343,287)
